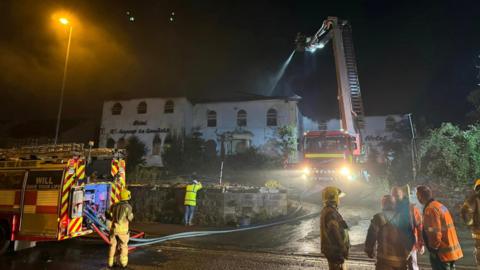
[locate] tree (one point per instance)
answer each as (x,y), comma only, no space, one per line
(286,140)
(450,155)
(136,150)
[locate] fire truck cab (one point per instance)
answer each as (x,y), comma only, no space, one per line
(330,155)
(44,192)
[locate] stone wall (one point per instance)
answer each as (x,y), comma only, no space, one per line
(215,206)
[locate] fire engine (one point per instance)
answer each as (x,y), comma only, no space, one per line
(335,154)
(44,191)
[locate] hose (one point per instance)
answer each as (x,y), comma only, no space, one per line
(150,241)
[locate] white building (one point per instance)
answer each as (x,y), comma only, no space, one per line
(239,123)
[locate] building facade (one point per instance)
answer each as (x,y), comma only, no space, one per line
(231,126)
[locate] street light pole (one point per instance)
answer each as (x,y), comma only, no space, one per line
(60,107)
(413,148)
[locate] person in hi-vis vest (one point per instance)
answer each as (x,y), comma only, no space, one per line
(191,201)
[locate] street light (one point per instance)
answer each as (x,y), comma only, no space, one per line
(66,22)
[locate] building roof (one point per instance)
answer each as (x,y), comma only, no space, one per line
(236,98)
(247,97)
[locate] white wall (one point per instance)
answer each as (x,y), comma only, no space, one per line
(145,126)
(287,114)
(188,118)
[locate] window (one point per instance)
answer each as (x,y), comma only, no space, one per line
(110,143)
(156,145)
(117,109)
(211,119)
(272,118)
(142,107)
(389,124)
(169,107)
(76,205)
(242,118)
(122,143)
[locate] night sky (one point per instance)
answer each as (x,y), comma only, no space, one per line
(413,56)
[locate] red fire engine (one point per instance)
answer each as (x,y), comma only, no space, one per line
(44,190)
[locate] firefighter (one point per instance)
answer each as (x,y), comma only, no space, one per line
(413,228)
(392,249)
(439,232)
(191,201)
(335,242)
(471,216)
(120,214)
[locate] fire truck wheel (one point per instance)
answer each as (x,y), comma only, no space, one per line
(4,239)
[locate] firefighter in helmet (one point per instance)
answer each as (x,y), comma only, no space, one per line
(471,216)
(120,214)
(335,243)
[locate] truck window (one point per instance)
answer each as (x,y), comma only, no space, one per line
(11,179)
(76,210)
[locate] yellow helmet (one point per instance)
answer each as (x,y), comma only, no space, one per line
(125,195)
(477,185)
(331,195)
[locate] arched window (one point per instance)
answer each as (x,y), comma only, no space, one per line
(122,143)
(117,109)
(272,118)
(169,106)
(211,119)
(156,145)
(242,118)
(110,143)
(389,123)
(142,107)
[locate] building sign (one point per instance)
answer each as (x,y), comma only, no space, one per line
(371,138)
(139,131)
(44,179)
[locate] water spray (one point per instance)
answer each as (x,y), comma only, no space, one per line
(280,72)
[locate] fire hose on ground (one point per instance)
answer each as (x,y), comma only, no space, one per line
(100,227)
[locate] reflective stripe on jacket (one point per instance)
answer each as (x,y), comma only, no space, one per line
(441,236)
(120,214)
(191,194)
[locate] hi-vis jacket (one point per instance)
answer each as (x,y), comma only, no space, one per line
(191,194)
(120,214)
(440,234)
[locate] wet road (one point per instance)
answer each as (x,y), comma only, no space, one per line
(288,246)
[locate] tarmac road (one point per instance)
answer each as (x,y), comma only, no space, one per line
(288,246)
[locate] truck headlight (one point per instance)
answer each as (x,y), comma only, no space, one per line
(306,171)
(345,171)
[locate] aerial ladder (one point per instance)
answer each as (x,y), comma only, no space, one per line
(334,154)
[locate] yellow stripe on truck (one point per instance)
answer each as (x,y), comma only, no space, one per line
(7,197)
(47,198)
(325,155)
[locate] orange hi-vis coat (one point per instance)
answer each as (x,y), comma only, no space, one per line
(440,232)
